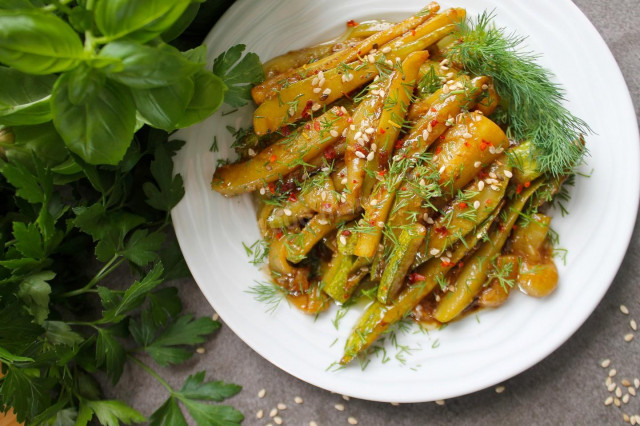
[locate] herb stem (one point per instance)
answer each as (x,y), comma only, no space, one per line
(152,373)
(109,267)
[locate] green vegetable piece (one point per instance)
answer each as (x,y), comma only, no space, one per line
(400,261)
(35,42)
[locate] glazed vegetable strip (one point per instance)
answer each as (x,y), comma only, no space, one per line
(269,88)
(474,272)
(295,100)
(282,157)
(378,317)
(471,208)
(320,225)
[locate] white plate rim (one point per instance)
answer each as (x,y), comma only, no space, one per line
(626,220)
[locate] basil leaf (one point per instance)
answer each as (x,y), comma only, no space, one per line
(146,67)
(207,97)
(40,140)
(24,98)
(100,129)
(139,20)
(164,107)
(38,43)
(84,83)
(18,4)
(182,23)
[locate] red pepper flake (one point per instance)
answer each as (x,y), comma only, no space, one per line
(285,131)
(352,23)
(279,234)
(501,227)
(399,143)
(415,277)
(372,222)
(327,206)
(346,232)
(381,130)
(330,153)
(316,126)
(527,184)
(349,120)
(434,123)
(293,197)
(382,172)
(515,226)
(467,144)
(519,188)
(404,188)
(433,109)
(273,158)
(413,32)
(484,144)
(305,111)
(446,263)
(438,149)
(272,187)
(463,205)
(442,230)
(460,264)
(442,137)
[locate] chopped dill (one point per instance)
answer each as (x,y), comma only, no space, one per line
(268,293)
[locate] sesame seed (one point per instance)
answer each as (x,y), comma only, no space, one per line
(508,174)
(395,404)
(633,420)
(260,414)
(321,75)
(291,111)
(605,363)
(343,240)
(358,135)
(380,224)
(315,107)
(625,417)
(440,401)
(375,92)
(370,130)
(352,127)
(298,400)
(625,398)
(365,137)
(618,392)
(312,423)
(360,155)
(608,382)
(343,109)
(434,251)
(326,91)
(215,317)
(351,77)
(321,82)
(370,156)
(374,147)
(628,337)
(442,169)
(314,82)
(480,185)
(633,325)
(492,150)
(616,402)
(323,221)
(345,78)
(624,309)
(495,187)
(467,135)
(636,383)
(611,387)
(476,204)
(263,191)
(339,407)
(485,87)
(371,58)
(200,350)
(612,372)
(430,221)
(281,406)
(625,383)
(360,141)
(429,128)
(631,390)
(373,202)
(423,182)
(389,62)
(344,133)
(273,412)
(277,420)
(425,134)
(287,212)
(317,90)
(262,393)
(334,133)
(493,175)
(499,389)
(343,181)
(608,401)
(386,49)
(352,421)
(445,89)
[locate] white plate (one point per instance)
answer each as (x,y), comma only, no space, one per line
(469,355)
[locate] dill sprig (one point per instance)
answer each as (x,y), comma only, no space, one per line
(533,102)
(269,294)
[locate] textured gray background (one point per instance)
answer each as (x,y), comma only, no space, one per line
(565,388)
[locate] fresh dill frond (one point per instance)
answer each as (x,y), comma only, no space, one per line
(268,293)
(533,102)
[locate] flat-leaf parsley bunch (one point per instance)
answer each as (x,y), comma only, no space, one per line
(89,90)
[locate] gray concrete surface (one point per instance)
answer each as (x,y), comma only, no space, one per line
(564,389)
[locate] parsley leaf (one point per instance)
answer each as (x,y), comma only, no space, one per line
(238,74)
(111,353)
(34,291)
(169,413)
(169,189)
(194,388)
(112,413)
